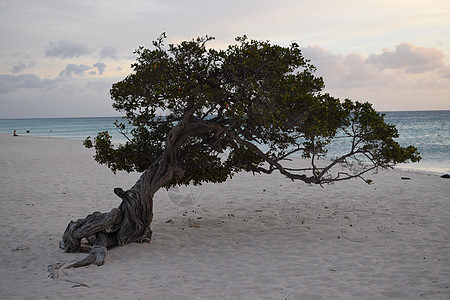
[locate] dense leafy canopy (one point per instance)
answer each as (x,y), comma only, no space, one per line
(212,113)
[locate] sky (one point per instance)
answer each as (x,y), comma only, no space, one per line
(60,58)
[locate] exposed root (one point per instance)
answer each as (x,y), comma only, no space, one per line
(53,270)
(100,231)
(96,256)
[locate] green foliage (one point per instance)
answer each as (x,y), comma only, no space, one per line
(214,113)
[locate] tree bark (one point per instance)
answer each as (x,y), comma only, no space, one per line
(128,223)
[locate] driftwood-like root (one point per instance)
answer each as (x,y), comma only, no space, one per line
(128,223)
(96,256)
(88,228)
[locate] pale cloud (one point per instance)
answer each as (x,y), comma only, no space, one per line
(73,69)
(406,67)
(109,52)
(343,71)
(66,49)
(28,96)
(12,83)
(419,81)
(100,67)
(20,66)
(445,72)
(410,58)
(101,86)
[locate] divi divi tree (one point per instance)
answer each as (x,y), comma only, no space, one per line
(195,114)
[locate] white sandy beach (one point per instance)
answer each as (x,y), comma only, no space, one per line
(253,237)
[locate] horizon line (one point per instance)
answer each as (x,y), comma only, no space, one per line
(92,117)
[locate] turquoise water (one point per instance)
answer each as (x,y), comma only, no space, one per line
(64,128)
(427,130)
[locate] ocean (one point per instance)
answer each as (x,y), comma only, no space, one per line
(429,131)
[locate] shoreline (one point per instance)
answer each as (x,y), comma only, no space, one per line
(92,117)
(397,167)
(424,171)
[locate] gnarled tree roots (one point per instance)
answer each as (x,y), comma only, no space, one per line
(130,222)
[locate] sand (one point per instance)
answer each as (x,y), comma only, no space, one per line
(253,237)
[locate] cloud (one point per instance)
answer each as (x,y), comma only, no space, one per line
(100,85)
(19,84)
(9,83)
(66,49)
(20,66)
(73,69)
(409,58)
(100,67)
(343,71)
(407,67)
(445,73)
(109,52)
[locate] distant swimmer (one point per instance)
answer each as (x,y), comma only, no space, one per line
(15,134)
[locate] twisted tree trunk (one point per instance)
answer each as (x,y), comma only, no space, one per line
(130,222)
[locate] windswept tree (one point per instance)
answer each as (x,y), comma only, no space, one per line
(199,115)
